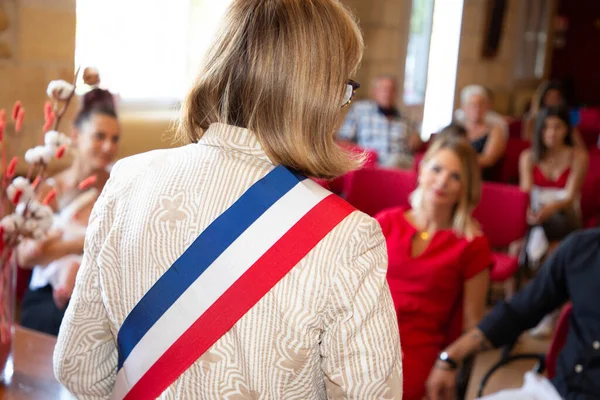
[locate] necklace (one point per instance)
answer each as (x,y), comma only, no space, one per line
(424,235)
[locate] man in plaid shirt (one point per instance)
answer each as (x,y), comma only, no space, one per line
(377,125)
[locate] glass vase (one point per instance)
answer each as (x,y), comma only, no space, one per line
(8,271)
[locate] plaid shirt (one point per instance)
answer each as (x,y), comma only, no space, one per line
(370,129)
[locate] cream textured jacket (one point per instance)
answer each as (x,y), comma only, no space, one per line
(328,329)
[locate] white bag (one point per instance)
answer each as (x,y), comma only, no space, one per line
(535,387)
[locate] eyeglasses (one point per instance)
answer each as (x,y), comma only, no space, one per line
(351,87)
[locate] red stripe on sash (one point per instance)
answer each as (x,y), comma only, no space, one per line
(257,281)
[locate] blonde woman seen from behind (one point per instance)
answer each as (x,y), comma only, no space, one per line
(215,270)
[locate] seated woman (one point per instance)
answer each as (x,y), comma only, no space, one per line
(55,259)
(553,172)
(438,259)
(548,94)
(489,141)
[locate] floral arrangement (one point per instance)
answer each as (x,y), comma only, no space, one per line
(24,216)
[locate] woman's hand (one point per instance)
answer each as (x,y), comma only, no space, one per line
(441,384)
(30,250)
(542,215)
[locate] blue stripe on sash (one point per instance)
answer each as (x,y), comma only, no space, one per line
(213,241)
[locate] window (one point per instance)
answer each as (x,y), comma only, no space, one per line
(147,51)
(534,31)
(417,56)
(443,62)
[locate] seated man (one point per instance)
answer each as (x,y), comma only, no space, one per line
(377,125)
(571,273)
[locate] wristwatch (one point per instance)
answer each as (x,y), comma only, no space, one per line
(446,359)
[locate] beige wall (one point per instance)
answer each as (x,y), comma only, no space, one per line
(40,39)
(498,74)
(386,26)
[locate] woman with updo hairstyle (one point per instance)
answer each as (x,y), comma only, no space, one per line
(55,259)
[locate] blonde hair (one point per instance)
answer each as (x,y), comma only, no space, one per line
(279,68)
(462,221)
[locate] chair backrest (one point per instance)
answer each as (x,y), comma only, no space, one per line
(514,129)
(372,190)
(559,340)
(510,163)
(589,125)
(502,213)
(339,184)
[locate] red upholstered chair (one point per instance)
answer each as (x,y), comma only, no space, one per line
(590,200)
(372,190)
(510,163)
(590,192)
(338,185)
(559,340)
(502,214)
(546,362)
(589,125)
(514,129)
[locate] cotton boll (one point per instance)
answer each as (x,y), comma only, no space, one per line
(22,184)
(38,234)
(11,223)
(54,139)
(39,155)
(59,90)
(30,225)
(20,209)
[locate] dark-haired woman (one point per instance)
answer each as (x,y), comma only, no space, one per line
(548,94)
(553,171)
(55,260)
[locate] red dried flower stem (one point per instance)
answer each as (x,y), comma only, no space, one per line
(20,119)
(87,182)
(61,151)
(47,109)
(15,110)
(11,170)
(4,178)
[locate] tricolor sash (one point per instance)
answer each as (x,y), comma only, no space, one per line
(234,262)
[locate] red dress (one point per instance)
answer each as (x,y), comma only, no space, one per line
(427,292)
(540,180)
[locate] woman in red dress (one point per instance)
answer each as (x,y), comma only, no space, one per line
(438,260)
